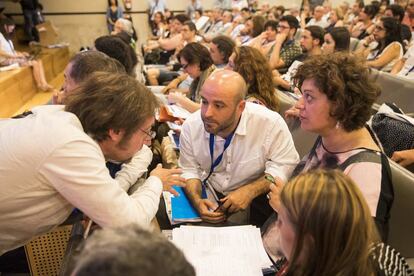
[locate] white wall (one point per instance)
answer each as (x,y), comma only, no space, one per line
(81,30)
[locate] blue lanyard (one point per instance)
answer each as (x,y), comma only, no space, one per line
(220,157)
(216,162)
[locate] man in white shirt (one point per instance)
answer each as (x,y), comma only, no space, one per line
(254,143)
(318,18)
(217,25)
(53,160)
(80,67)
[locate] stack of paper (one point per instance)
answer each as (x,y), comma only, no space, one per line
(177,111)
(233,250)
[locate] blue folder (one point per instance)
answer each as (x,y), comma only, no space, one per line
(182,209)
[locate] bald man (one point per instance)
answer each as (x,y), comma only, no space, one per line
(234,151)
(318,18)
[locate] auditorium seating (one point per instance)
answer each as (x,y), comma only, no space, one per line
(18,88)
(395,89)
(401,235)
(303,140)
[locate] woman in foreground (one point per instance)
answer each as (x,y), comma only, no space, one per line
(326,229)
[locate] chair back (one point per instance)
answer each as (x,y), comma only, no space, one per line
(401,232)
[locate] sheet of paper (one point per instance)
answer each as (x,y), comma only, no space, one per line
(174,126)
(157,90)
(178,111)
(219,250)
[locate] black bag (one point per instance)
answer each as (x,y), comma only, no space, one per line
(392,130)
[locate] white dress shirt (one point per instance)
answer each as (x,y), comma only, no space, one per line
(321,23)
(261,144)
(49,166)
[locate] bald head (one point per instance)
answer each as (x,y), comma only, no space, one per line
(222,102)
(229,81)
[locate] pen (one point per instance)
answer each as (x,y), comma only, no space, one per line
(219,206)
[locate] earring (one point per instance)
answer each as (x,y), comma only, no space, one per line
(337,125)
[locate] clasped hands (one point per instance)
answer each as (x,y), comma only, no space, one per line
(235,201)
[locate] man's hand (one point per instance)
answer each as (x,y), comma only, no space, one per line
(294,111)
(237,200)
(58,97)
(404,157)
(280,38)
(172,85)
(175,97)
(169,177)
(206,210)
(274,195)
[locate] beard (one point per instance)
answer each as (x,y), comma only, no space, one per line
(214,127)
(304,50)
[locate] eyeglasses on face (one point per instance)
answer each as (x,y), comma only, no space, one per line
(184,66)
(150,133)
(283,27)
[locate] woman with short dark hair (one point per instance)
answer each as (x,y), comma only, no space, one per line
(196,61)
(337,97)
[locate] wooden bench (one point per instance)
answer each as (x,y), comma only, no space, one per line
(17,87)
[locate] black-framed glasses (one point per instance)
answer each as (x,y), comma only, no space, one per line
(184,66)
(151,133)
(283,27)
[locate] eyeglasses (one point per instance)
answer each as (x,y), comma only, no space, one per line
(379,28)
(184,66)
(151,133)
(283,27)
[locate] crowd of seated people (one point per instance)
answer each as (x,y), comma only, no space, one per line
(234,144)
